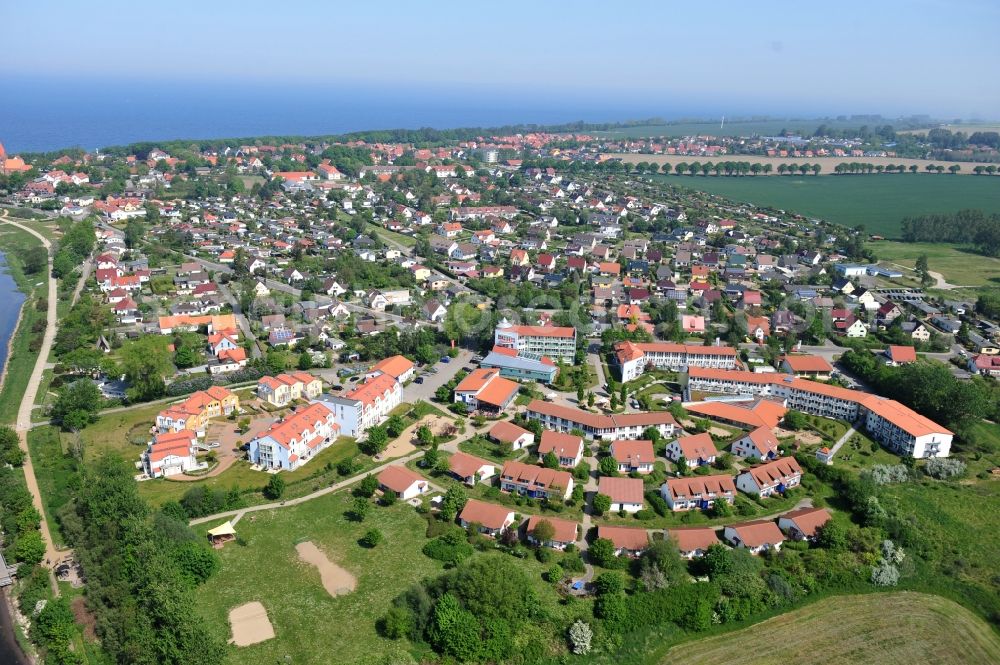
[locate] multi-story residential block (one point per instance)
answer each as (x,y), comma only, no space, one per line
(901,429)
(398,367)
(196,411)
(367,405)
(281,390)
(596,426)
(556,342)
(293,441)
(634,358)
(170,453)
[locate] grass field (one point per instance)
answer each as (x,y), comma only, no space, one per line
(877,202)
(310,625)
(889,629)
(958,266)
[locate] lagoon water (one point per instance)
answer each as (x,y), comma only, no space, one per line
(10,305)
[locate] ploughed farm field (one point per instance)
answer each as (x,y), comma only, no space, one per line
(887,628)
(878,202)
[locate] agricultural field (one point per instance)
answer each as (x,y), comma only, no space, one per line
(888,628)
(767,127)
(879,203)
(828,164)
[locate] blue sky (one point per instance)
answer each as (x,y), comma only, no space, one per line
(890,57)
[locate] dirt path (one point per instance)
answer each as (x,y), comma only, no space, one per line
(23,425)
(336,580)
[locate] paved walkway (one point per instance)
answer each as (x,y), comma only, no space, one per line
(451,447)
(842,440)
(23,424)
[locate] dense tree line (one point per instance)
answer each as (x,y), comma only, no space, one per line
(964,226)
(77,243)
(141,571)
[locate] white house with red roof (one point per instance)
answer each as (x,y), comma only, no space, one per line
(634,456)
(757,536)
(564,532)
(568,448)
(760,444)
(489,518)
(405,483)
(766,479)
(696,449)
(170,453)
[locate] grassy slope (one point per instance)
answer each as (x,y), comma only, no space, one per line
(877,202)
(897,628)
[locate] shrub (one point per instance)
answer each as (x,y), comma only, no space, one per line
(885,474)
(944,468)
(371,538)
(275,487)
(450,548)
(885,574)
(580,637)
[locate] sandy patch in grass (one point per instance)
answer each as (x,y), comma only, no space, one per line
(335,579)
(250,624)
(405,442)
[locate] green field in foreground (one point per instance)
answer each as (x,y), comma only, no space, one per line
(879,202)
(890,628)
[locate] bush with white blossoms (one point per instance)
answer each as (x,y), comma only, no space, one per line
(885,474)
(944,468)
(580,636)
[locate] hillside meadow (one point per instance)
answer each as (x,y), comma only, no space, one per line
(889,629)
(877,202)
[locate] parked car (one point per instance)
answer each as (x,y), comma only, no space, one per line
(445,359)
(419,379)
(337,387)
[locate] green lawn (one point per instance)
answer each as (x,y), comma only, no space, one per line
(392,236)
(310,626)
(959,266)
(482,447)
(879,202)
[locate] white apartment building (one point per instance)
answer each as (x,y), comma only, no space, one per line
(555,342)
(899,428)
(365,406)
(633,358)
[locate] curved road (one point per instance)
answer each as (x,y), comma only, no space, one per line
(23,425)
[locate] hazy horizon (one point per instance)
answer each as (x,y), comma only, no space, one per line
(110,72)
